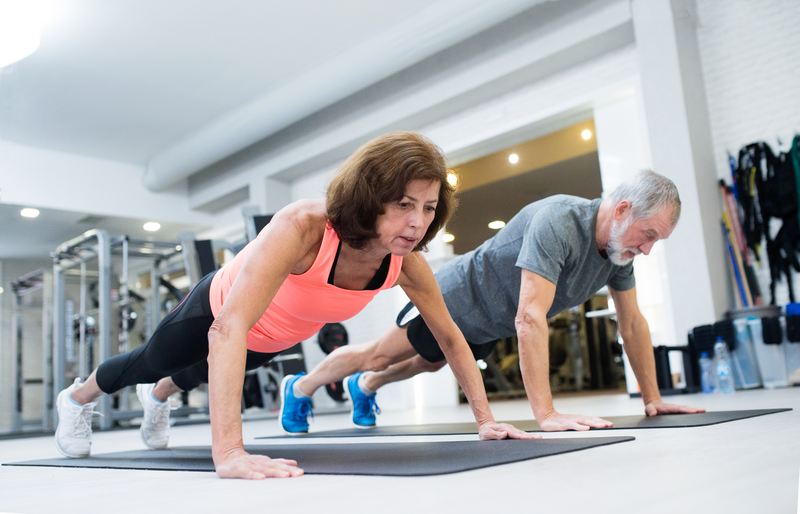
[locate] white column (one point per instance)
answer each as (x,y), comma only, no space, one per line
(681,147)
(623,150)
(622,145)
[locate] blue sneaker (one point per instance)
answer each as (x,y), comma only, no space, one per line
(294,410)
(363,405)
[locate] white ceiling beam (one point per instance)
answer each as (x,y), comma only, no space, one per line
(452,88)
(425,32)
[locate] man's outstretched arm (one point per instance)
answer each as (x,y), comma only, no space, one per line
(635,333)
(535,299)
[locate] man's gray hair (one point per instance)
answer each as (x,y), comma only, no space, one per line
(648,192)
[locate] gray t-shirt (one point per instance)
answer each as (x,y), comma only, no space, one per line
(554,238)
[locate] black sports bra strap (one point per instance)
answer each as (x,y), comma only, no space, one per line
(335,260)
(380,275)
(376,282)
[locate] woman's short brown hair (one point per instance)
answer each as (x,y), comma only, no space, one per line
(376,174)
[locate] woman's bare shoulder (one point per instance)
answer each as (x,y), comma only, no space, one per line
(307,216)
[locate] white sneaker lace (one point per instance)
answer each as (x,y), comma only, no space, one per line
(161,415)
(82,423)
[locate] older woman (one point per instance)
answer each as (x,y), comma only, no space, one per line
(316,262)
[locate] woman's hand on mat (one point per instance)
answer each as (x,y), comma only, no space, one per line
(556,422)
(492,430)
(241,464)
(656,408)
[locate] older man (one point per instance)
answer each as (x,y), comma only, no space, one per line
(553,255)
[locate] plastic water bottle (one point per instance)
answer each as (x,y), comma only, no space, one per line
(722,361)
(708,378)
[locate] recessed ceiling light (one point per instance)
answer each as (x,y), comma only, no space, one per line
(513,158)
(152,226)
(497,225)
(29,212)
(1,290)
(448,238)
(452,179)
(178,248)
(586,134)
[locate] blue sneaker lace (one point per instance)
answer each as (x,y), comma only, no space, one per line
(370,406)
(303,409)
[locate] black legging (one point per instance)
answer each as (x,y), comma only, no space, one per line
(178,348)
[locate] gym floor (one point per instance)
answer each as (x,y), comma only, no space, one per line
(750,465)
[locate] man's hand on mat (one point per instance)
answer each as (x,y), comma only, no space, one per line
(241,464)
(555,422)
(656,408)
(492,430)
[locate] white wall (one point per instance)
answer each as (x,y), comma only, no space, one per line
(44,178)
(749,52)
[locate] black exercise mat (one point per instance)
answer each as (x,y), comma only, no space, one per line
(387,459)
(620,422)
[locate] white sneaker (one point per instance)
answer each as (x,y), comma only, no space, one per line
(155,426)
(74,430)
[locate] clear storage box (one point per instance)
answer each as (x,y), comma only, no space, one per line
(746,374)
(792,354)
(771,357)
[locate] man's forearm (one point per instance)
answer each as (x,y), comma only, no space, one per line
(639,349)
(534,359)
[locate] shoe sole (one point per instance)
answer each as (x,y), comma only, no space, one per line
(58,446)
(141,427)
(353,407)
(283,403)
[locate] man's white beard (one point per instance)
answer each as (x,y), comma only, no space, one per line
(615,251)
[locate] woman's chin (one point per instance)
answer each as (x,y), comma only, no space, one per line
(403,250)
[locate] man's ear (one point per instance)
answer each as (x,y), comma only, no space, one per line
(622,210)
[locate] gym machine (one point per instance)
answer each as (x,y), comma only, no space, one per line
(87,259)
(25,301)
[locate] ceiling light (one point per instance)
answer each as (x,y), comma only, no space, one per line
(586,134)
(20,27)
(29,212)
(152,226)
(448,238)
(1,290)
(452,179)
(497,225)
(513,158)
(178,248)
